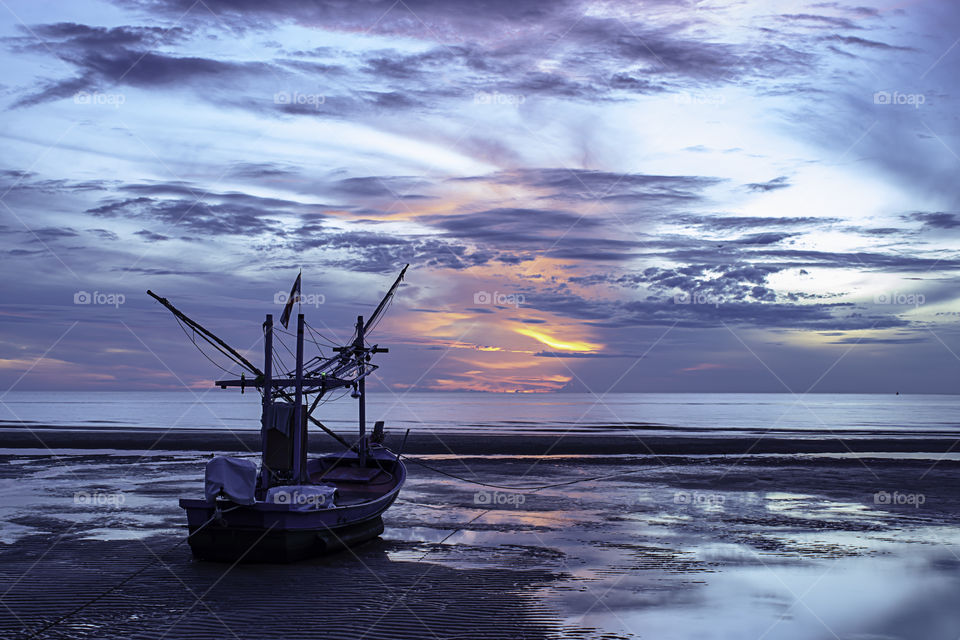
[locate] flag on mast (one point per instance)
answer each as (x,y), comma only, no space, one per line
(294,297)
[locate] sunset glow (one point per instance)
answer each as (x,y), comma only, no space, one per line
(628,194)
(556,343)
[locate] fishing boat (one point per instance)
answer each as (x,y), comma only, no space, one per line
(292,506)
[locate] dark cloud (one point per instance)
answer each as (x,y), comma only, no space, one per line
(265,170)
(150,236)
(193,215)
(392,187)
(511,225)
(517,235)
(867,340)
(740,223)
(48,234)
(588,185)
(496,47)
(818,21)
(763,238)
(104,57)
(879,231)
(770,185)
(159,271)
(869,44)
(104,234)
(935,219)
(806,258)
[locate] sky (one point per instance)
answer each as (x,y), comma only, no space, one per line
(668,195)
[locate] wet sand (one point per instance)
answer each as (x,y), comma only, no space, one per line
(719,546)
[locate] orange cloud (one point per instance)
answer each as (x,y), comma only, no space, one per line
(557,343)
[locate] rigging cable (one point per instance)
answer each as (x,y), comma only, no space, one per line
(193,339)
(315,332)
(379,318)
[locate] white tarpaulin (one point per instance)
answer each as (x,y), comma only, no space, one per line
(236,479)
(303,496)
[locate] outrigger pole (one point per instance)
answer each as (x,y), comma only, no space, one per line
(230,351)
(207,335)
(383,303)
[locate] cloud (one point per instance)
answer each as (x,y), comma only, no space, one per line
(584,184)
(934,219)
(194,216)
(870,340)
(740,223)
(869,44)
(104,57)
(770,185)
(150,236)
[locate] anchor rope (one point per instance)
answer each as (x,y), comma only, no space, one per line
(540,486)
(217,514)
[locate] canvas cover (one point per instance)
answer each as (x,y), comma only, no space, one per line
(233,477)
(281,417)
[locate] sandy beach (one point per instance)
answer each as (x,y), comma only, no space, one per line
(706,544)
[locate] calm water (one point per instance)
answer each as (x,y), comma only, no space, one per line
(513,413)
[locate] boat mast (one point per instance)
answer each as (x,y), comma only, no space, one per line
(299,446)
(266,415)
(361,354)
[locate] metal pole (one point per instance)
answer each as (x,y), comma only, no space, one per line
(266,414)
(361,389)
(298,406)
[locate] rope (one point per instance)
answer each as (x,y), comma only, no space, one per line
(536,487)
(130,577)
(457,530)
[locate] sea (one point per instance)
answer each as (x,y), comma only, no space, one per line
(509,414)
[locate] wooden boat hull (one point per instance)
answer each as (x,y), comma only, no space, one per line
(249,545)
(269,532)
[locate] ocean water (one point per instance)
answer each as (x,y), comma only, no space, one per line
(661,413)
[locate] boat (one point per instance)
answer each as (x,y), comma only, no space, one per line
(290,506)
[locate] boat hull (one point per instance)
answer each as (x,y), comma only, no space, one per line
(224,531)
(247,545)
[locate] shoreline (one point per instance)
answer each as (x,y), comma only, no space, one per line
(222,440)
